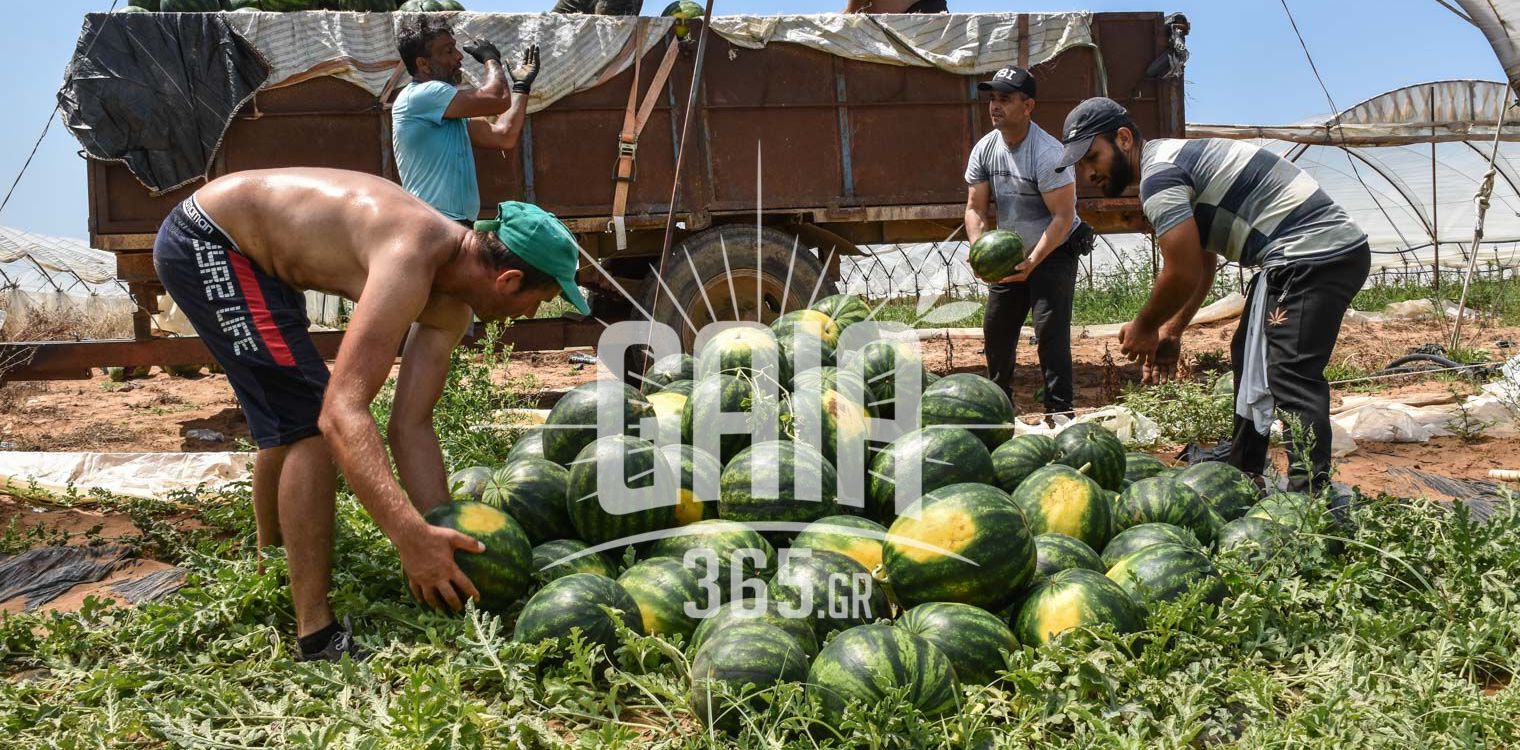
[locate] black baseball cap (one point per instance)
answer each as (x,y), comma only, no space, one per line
(1010,79)
(1089,120)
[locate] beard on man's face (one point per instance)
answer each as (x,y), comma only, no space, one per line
(1119,174)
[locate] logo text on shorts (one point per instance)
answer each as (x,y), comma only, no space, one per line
(216,279)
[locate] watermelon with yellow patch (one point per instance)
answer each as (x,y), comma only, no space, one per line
(963,543)
(503,572)
(858,538)
(921,461)
(1061,499)
(827,421)
(669,408)
(667,594)
(700,473)
(1075,598)
(810,322)
(745,351)
(844,309)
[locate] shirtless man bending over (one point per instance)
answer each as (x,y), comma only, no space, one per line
(235,257)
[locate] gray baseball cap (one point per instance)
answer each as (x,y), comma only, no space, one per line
(1087,121)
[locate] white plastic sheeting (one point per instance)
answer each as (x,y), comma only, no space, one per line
(43,476)
(1499,20)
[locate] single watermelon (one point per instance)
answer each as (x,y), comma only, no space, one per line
(778,482)
(847,382)
(1140,536)
(1061,499)
(862,664)
(1166,500)
(1225,488)
(470,483)
(1163,572)
(1252,536)
(827,421)
(844,309)
(422,6)
(1138,466)
(996,254)
(732,673)
(974,639)
(723,553)
(529,444)
(745,351)
(1055,552)
(858,538)
(572,423)
(882,364)
(934,456)
(715,397)
(1016,459)
(581,603)
(502,572)
(682,9)
(700,472)
(759,609)
(969,401)
(1294,510)
(683,387)
(600,509)
(963,543)
(669,411)
(552,560)
(1075,598)
(1094,451)
(810,322)
(803,351)
(532,491)
(830,590)
(667,594)
(667,370)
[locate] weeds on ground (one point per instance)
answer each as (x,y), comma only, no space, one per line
(1493,294)
(1186,411)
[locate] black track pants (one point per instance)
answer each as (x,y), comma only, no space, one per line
(1048,293)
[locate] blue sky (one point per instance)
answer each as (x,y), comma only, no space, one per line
(1246,68)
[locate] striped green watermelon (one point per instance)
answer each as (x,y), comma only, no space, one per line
(996,254)
(549,561)
(803,351)
(878,363)
(529,444)
(1016,459)
(469,483)
(1163,572)
(698,470)
(810,322)
(863,663)
(683,387)
(572,423)
(532,491)
(1294,510)
(743,350)
(846,382)
(973,638)
(830,590)
(600,518)
(1224,487)
(1166,500)
(578,603)
(732,673)
(760,609)
(827,421)
(1095,452)
(1075,598)
(423,6)
(1252,536)
(1061,499)
(714,396)
(502,572)
(1055,552)
(777,482)
(858,538)
(668,369)
(935,456)
(719,543)
(976,523)
(1138,537)
(971,401)
(844,309)
(669,411)
(1138,466)
(663,588)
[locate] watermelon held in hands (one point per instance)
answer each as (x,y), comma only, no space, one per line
(1061,499)
(1166,500)
(700,473)
(1021,456)
(502,572)
(667,370)
(863,663)
(1094,451)
(844,309)
(582,603)
(762,609)
(470,483)
(963,543)
(1055,552)
(830,590)
(1164,572)
(1227,489)
(1138,466)
(603,510)
(572,423)
(778,482)
(934,456)
(974,639)
(1136,538)
(532,491)
(663,588)
(996,254)
(551,561)
(732,672)
(1075,598)
(969,401)
(858,538)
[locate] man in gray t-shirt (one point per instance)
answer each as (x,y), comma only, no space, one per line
(1015,166)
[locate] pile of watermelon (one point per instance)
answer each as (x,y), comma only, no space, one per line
(288,6)
(775,563)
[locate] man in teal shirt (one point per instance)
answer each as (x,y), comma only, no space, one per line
(435,122)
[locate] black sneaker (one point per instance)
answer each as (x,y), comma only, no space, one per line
(341,644)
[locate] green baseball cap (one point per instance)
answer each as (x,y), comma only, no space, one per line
(542,240)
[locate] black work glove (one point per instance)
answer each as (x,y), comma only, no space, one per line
(523,75)
(482,51)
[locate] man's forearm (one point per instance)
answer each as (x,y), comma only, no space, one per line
(419,461)
(1054,235)
(496,80)
(1175,286)
(355,442)
(1179,322)
(976,224)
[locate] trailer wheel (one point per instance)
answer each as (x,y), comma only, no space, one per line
(698,281)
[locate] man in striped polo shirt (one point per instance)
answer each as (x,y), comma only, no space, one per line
(1213,198)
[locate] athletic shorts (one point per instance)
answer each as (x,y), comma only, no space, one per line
(254,324)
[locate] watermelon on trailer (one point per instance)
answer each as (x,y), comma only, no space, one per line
(976,523)
(599,518)
(844,309)
(1094,451)
(1252,535)
(863,663)
(529,444)
(969,401)
(827,421)
(1061,499)
(667,370)
(1015,460)
(423,6)
(190,6)
(1138,466)
(469,483)
(581,603)
(532,491)
(810,322)
(1166,500)
(698,469)
(502,572)
(1075,598)
(365,6)
(1225,488)
(733,671)
(663,588)
(830,590)
(745,351)
(973,638)
(669,410)
(857,538)
(936,456)
(1163,572)
(1138,537)
(148,5)
(778,482)
(712,548)
(726,394)
(1055,552)
(572,423)
(758,609)
(549,561)
(996,254)
(878,363)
